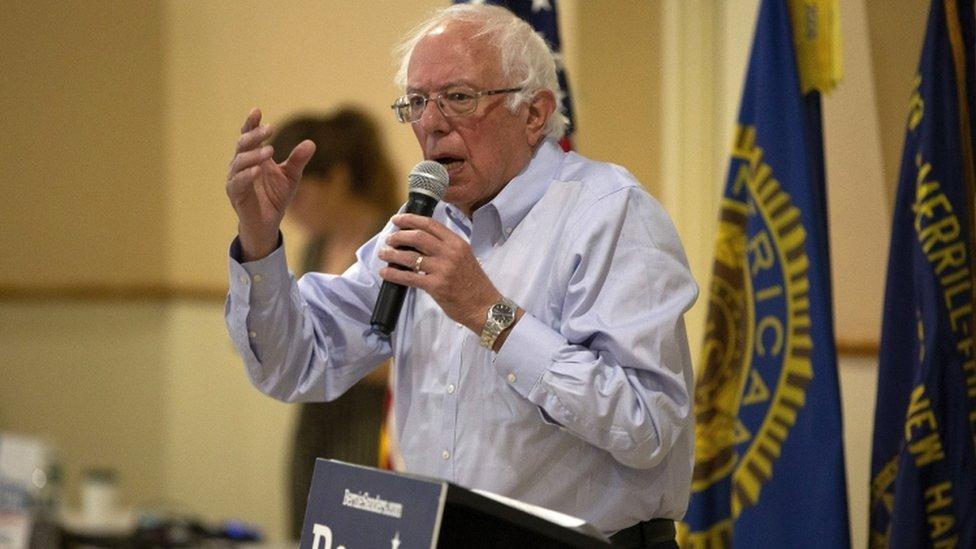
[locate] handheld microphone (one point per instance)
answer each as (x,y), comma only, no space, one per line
(427,184)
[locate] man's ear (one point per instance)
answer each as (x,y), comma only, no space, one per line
(539,109)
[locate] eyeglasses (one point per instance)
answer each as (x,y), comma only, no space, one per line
(451,102)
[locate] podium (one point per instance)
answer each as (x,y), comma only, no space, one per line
(352,507)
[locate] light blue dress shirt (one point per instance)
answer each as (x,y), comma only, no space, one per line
(587,407)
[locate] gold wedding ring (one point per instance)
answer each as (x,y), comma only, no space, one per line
(416,264)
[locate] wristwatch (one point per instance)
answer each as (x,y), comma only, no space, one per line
(501,315)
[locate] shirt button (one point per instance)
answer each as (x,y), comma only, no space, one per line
(508,230)
(511,378)
(258,278)
(243,280)
(450,389)
(445,455)
(252,334)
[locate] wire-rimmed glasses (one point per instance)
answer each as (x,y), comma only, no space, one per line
(455,101)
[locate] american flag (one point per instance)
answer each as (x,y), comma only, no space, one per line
(541,14)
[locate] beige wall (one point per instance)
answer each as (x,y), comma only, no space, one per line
(224,441)
(120,122)
(223,58)
(611,99)
(83,143)
(895,38)
(90,378)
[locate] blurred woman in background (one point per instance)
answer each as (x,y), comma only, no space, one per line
(347,193)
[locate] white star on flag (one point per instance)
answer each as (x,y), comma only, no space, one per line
(558,58)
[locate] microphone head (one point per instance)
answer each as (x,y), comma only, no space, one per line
(430,178)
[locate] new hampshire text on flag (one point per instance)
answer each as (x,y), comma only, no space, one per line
(769,460)
(923,464)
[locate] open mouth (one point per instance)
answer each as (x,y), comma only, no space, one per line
(451,163)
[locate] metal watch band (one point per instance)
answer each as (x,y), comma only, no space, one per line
(493,328)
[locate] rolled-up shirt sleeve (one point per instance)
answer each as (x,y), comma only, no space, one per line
(307,340)
(615,370)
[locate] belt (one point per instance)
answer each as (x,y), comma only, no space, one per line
(649,533)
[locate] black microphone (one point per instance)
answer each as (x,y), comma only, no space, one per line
(427,183)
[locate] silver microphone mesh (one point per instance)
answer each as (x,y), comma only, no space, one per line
(428,177)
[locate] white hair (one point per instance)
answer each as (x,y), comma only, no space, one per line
(525,58)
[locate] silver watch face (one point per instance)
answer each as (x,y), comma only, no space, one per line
(502,313)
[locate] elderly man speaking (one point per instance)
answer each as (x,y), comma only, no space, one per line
(541,350)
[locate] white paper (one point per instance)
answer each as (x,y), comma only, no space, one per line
(562,519)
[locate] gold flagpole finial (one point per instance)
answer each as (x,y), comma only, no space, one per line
(816,35)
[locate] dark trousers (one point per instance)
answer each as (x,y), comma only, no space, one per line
(650,534)
(346,429)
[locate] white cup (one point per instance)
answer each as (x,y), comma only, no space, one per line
(99,495)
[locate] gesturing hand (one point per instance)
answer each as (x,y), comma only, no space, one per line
(259,189)
(448,271)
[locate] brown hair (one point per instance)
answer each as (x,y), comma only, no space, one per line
(347,136)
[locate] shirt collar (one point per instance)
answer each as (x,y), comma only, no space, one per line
(524,190)
(516,198)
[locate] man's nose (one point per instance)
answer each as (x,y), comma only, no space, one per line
(432,120)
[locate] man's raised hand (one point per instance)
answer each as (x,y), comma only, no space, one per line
(259,189)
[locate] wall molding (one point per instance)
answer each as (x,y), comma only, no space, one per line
(858,347)
(115,293)
(111,292)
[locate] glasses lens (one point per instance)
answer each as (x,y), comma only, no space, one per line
(458,101)
(415,104)
(401,109)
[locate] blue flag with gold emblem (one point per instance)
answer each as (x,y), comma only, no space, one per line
(923,464)
(769,458)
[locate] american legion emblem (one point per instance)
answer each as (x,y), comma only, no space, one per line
(757,350)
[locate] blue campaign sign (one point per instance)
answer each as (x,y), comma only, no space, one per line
(350,506)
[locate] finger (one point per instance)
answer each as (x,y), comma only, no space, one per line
(253,138)
(241,181)
(245,160)
(297,160)
(417,239)
(404,277)
(426,224)
(406,259)
(252,120)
